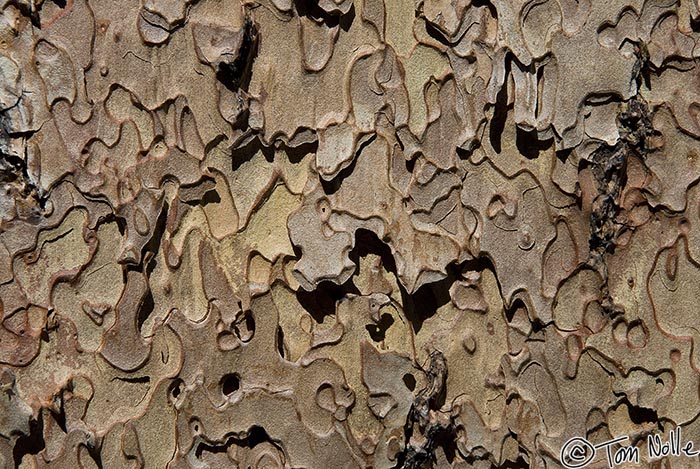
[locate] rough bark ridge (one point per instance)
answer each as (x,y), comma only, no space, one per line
(348,233)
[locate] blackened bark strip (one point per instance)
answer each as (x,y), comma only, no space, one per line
(609,168)
(426,425)
(14,172)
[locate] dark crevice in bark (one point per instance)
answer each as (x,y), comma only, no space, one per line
(321,302)
(254,437)
(33,443)
(310,9)
(235,74)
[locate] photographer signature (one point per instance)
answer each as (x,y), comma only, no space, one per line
(578,452)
